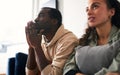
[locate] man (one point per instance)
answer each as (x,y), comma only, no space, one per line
(49,43)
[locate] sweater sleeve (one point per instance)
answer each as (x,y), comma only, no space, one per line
(70,66)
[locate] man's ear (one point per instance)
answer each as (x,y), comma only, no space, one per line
(54,21)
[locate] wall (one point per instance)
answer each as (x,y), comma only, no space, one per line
(14,16)
(74,15)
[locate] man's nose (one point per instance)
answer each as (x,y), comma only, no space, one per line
(36,20)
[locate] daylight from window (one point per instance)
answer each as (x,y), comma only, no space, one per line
(14,16)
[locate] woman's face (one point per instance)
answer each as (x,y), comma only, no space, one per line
(98,13)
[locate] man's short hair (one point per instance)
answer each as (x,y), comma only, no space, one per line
(55,14)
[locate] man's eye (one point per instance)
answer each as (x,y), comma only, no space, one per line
(41,15)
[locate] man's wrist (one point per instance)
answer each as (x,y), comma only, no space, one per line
(30,67)
(30,48)
(31,62)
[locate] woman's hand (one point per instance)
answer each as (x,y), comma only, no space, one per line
(113,73)
(79,74)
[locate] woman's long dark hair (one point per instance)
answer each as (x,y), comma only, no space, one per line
(116,5)
(115,20)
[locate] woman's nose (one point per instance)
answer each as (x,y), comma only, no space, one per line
(89,11)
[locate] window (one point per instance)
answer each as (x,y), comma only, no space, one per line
(14,16)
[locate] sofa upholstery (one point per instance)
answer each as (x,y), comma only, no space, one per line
(16,65)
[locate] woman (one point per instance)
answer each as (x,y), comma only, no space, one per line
(102,38)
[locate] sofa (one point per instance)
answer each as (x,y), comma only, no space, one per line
(16,65)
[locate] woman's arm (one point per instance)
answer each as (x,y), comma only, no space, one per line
(79,74)
(70,67)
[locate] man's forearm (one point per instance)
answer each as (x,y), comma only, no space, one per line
(31,62)
(41,59)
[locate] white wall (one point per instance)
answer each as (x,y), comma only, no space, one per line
(74,15)
(14,16)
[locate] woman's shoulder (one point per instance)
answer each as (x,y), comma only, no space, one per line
(115,34)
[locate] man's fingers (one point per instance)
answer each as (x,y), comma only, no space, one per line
(31,24)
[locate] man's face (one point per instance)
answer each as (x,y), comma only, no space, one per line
(43,20)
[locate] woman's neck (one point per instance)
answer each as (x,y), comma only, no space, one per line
(103,34)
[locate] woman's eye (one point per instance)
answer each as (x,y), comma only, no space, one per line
(95,7)
(87,9)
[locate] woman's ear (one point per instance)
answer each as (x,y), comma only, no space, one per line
(112,12)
